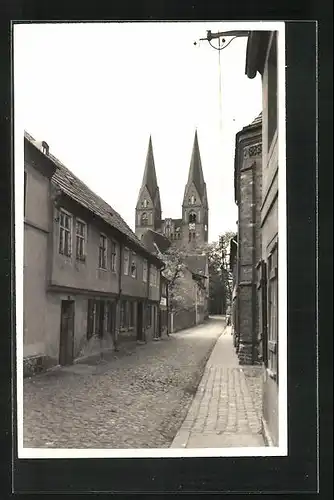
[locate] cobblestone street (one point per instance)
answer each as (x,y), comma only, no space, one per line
(137,399)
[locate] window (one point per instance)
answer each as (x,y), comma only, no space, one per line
(25,191)
(122,313)
(192,200)
(134,265)
(96,318)
(80,240)
(145,271)
(103,252)
(145,203)
(153,276)
(192,218)
(126,261)
(272,353)
(144,219)
(113,256)
(149,316)
(65,233)
(262,302)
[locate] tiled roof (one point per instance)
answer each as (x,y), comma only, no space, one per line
(152,238)
(196,264)
(73,187)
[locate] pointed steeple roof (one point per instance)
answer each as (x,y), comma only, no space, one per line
(150,176)
(195,169)
(150,179)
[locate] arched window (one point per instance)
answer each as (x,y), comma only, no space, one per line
(144,219)
(192,218)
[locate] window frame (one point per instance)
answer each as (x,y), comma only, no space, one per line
(126,261)
(83,238)
(144,220)
(272,312)
(145,270)
(105,238)
(113,256)
(61,251)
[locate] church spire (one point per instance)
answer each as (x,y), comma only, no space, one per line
(150,176)
(195,170)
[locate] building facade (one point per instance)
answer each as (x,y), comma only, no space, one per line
(262,58)
(98,284)
(248,197)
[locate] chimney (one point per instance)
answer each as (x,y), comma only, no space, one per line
(45,148)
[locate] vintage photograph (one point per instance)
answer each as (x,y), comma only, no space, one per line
(150,239)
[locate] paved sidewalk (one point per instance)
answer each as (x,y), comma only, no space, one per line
(222,413)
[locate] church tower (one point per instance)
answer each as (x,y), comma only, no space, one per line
(195,209)
(148,208)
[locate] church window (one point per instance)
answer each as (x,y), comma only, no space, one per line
(192,218)
(194,236)
(144,203)
(144,219)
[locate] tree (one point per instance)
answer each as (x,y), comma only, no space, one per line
(220,284)
(180,290)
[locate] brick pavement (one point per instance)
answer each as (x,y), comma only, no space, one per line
(133,400)
(223,412)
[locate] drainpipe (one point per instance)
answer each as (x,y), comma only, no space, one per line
(118,299)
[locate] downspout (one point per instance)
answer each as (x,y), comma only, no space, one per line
(118,299)
(163,267)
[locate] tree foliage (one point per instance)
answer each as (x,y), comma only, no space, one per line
(180,290)
(220,284)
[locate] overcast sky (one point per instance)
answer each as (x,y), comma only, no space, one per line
(95,93)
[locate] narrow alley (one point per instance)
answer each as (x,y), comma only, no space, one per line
(140,397)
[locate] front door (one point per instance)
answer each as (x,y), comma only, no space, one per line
(66,332)
(139,321)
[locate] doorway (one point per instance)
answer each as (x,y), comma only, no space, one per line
(139,321)
(66,332)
